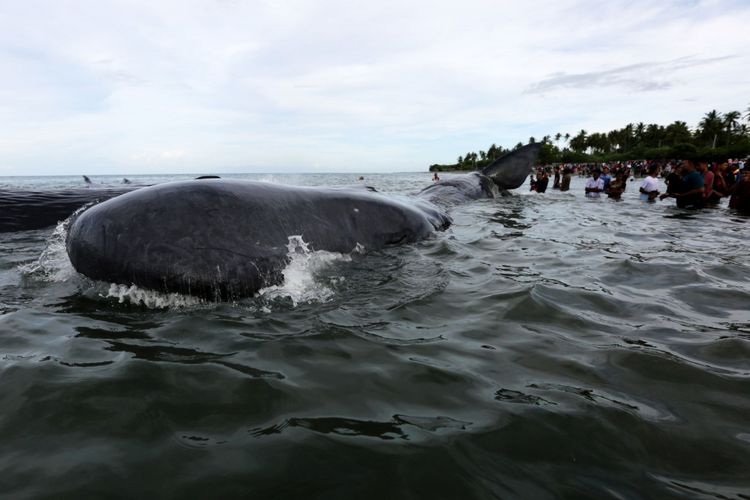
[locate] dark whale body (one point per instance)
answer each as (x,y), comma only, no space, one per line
(225,239)
(26,210)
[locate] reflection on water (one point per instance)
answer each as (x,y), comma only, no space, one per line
(544,346)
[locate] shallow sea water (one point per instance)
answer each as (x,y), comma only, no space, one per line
(545,346)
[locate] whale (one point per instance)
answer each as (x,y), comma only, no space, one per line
(24,210)
(225,239)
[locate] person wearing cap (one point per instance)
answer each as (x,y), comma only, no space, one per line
(594,185)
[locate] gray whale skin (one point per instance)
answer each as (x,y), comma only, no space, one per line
(225,239)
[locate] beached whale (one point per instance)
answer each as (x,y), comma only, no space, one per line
(225,239)
(37,209)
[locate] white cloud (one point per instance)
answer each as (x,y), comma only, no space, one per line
(140,86)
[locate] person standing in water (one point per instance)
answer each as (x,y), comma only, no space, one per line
(565,182)
(650,186)
(595,185)
(691,187)
(618,185)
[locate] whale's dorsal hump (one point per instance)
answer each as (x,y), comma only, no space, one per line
(510,170)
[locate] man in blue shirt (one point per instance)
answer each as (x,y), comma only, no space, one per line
(606,177)
(691,194)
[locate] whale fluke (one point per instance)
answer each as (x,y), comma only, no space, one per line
(225,239)
(510,170)
(507,172)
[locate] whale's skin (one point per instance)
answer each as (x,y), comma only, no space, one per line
(36,209)
(225,239)
(507,172)
(459,189)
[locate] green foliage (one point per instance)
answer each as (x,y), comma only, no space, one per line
(716,137)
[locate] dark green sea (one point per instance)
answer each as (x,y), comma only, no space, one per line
(545,346)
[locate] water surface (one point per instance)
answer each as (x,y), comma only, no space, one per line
(545,346)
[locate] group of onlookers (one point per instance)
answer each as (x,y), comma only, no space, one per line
(693,184)
(696,184)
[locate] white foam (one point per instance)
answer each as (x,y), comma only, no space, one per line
(53,264)
(300,282)
(150,298)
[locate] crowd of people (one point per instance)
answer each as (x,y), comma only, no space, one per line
(692,183)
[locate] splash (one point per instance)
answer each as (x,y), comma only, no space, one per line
(300,275)
(149,298)
(53,265)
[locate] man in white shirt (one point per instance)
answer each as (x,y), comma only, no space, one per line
(650,186)
(595,185)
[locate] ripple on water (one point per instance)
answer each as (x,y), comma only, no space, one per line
(545,346)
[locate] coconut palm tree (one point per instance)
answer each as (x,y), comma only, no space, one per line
(640,129)
(710,128)
(677,133)
(578,143)
(731,122)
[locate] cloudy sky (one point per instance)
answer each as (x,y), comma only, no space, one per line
(131,86)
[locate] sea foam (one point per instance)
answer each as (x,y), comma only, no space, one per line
(53,264)
(301,281)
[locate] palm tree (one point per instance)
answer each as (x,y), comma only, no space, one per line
(677,133)
(627,135)
(731,121)
(710,127)
(640,130)
(578,143)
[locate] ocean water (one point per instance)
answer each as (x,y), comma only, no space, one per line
(545,346)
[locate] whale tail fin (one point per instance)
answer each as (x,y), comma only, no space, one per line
(510,170)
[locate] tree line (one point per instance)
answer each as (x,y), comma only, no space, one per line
(717,136)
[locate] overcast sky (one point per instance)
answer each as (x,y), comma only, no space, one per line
(127,87)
